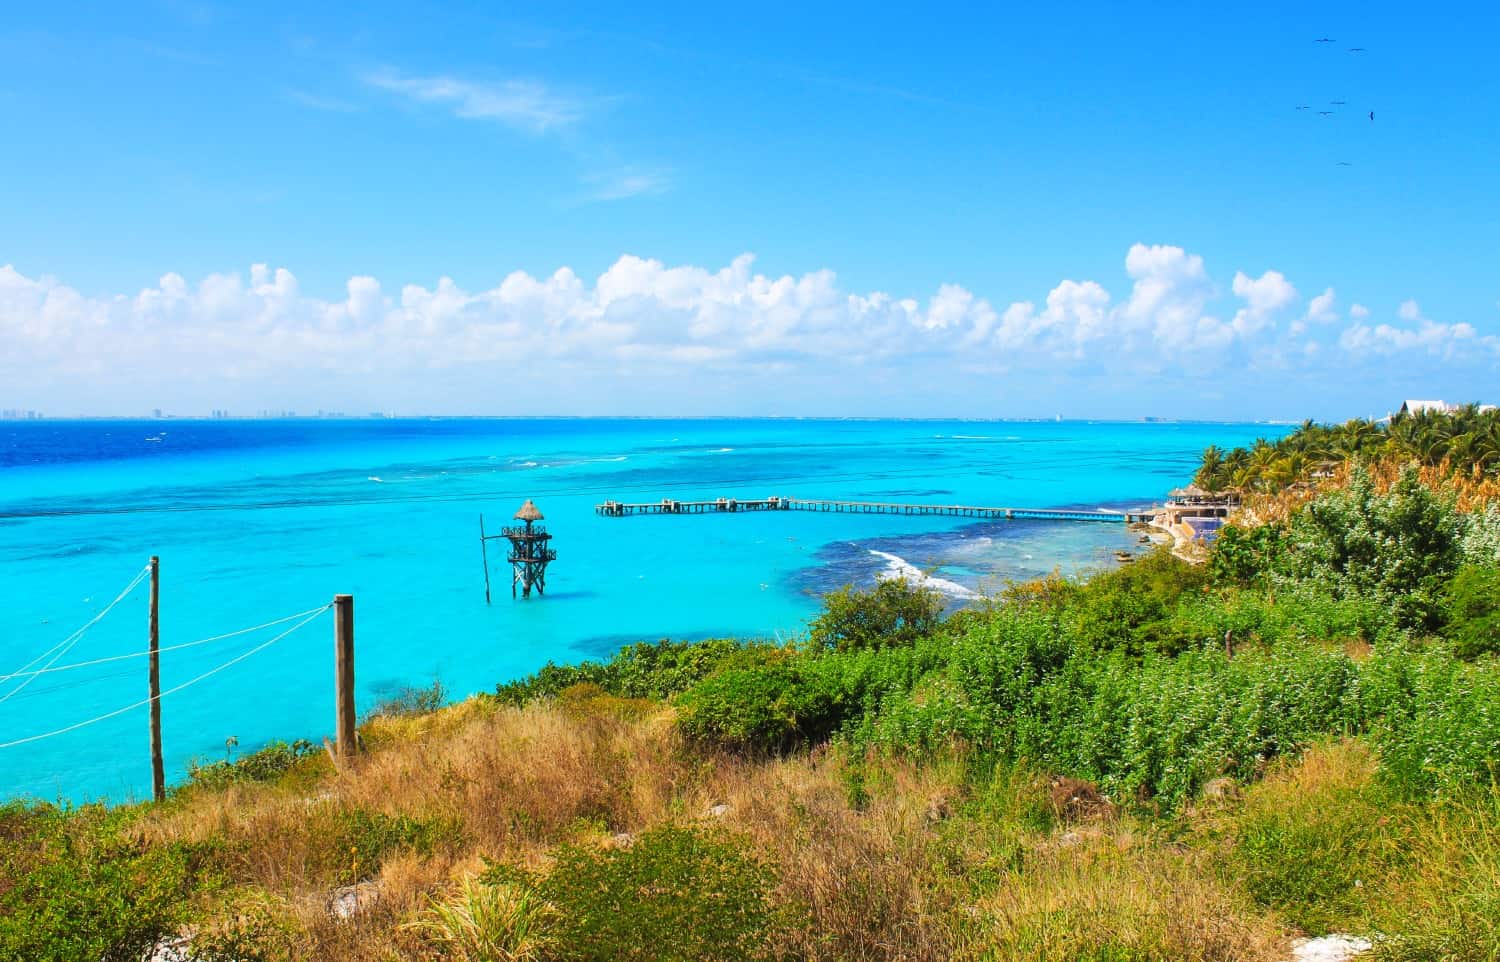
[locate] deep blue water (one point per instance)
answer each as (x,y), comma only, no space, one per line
(255,520)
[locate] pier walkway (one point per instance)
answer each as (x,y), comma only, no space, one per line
(620,509)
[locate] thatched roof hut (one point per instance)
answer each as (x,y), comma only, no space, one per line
(529,512)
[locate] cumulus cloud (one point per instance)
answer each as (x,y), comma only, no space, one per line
(1320,310)
(1168,299)
(642,318)
(1264,297)
(1428,337)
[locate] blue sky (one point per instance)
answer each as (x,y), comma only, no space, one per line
(906,181)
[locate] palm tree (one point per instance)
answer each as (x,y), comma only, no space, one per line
(1210,469)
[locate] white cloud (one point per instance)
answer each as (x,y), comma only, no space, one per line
(1358,311)
(642,318)
(626,183)
(1264,297)
(1320,310)
(1409,311)
(1075,314)
(1169,298)
(1429,337)
(523,104)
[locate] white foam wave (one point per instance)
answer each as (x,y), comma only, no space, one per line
(898,567)
(376,478)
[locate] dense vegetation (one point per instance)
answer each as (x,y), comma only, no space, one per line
(1466,441)
(1165,761)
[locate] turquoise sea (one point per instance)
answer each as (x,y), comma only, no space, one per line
(255,520)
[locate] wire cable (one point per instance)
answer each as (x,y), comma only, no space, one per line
(178,647)
(170,691)
(66,645)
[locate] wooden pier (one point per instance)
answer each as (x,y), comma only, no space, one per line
(620,509)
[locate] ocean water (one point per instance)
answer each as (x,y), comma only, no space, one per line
(255,520)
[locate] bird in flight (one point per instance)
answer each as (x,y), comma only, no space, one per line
(1325,113)
(1324,40)
(1302,106)
(1338,103)
(1372,116)
(1345,163)
(1356,49)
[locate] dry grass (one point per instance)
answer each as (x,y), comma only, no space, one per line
(1470,491)
(1105,895)
(866,876)
(921,863)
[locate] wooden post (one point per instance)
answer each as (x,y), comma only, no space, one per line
(484,555)
(153,628)
(343,674)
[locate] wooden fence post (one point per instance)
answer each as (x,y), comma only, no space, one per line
(153,628)
(484,557)
(343,674)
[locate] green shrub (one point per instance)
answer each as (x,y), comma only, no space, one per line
(1435,719)
(768,708)
(644,670)
(1159,726)
(674,894)
(895,612)
(1473,611)
(410,700)
(359,840)
(263,765)
(1398,549)
(74,886)
(1131,607)
(1245,556)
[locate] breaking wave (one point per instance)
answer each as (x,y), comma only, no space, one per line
(898,567)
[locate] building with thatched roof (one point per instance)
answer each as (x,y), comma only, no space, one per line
(1194,496)
(1197,513)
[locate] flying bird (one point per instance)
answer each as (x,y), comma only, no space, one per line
(1356,49)
(1338,103)
(1372,116)
(1324,40)
(1302,106)
(1345,163)
(1325,113)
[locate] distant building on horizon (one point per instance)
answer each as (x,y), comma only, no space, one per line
(1438,407)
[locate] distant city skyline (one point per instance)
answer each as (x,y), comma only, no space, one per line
(830,211)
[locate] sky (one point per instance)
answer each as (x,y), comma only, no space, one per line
(1085,209)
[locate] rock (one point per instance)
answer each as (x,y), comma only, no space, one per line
(1074,799)
(622,840)
(939,808)
(716,811)
(172,949)
(1221,789)
(1329,948)
(349,900)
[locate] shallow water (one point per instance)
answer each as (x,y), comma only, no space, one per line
(255,520)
